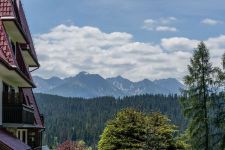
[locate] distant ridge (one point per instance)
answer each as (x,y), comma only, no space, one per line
(93,85)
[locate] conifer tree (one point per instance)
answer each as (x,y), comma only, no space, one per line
(196,100)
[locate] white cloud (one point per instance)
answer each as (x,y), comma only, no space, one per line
(178,44)
(166,29)
(216,45)
(216,42)
(67,50)
(149,24)
(211,22)
(161,24)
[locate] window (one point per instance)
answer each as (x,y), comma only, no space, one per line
(31,138)
(22,135)
(18,134)
(5,93)
(10,95)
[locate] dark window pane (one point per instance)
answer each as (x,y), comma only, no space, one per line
(24,136)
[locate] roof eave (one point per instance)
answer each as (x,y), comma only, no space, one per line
(16,69)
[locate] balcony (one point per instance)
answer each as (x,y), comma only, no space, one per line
(15,111)
(18,114)
(13,17)
(10,71)
(9,16)
(29,57)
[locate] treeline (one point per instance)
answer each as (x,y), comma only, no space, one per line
(85,119)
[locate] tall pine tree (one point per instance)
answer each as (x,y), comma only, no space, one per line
(196,98)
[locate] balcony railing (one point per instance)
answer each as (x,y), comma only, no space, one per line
(18,114)
(14,109)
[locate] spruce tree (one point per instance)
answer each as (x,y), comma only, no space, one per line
(196,100)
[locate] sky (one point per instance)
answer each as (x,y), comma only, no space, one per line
(136,39)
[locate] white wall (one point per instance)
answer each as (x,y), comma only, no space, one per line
(1,89)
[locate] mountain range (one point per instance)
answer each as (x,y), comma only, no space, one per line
(93,85)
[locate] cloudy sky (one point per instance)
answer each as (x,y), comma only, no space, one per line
(137,39)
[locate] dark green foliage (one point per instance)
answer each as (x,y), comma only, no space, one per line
(78,118)
(160,133)
(218,102)
(126,131)
(203,101)
(135,130)
(196,98)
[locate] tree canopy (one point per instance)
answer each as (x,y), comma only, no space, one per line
(131,129)
(203,101)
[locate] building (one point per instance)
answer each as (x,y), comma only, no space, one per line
(21,124)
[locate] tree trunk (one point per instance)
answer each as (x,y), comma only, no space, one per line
(205,97)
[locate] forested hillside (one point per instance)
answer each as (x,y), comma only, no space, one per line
(78,118)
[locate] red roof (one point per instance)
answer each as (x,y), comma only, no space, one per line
(5,49)
(11,142)
(15,10)
(6,8)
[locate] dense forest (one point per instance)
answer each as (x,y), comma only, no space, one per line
(85,119)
